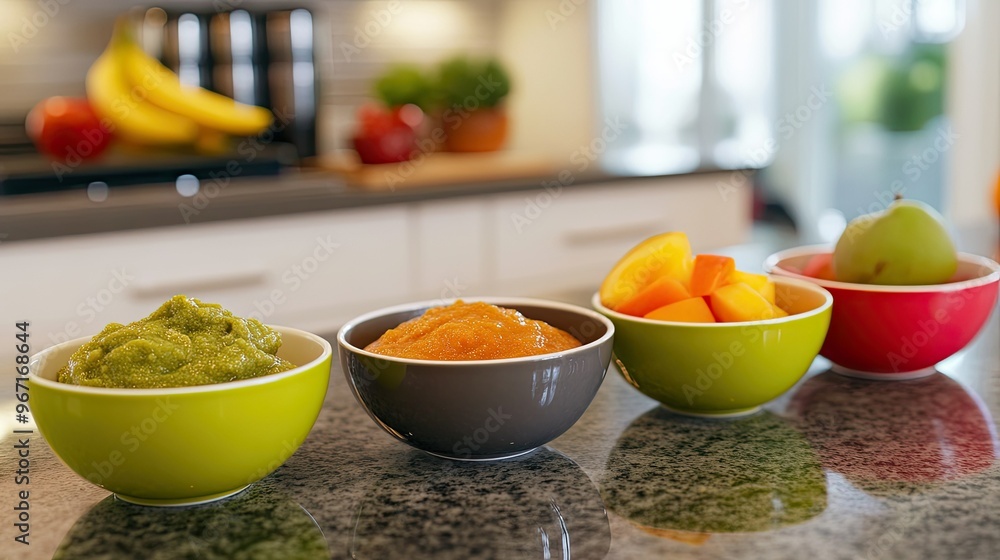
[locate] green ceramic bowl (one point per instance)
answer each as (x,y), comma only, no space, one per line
(723,369)
(181,446)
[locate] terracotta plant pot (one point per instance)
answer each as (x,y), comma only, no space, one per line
(482,130)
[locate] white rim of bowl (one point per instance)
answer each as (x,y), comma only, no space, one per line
(509,303)
(34,378)
(771,264)
(827,303)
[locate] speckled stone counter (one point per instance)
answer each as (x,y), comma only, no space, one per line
(837,468)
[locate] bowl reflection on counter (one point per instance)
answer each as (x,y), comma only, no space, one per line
(672,473)
(263,522)
(541,505)
(918,431)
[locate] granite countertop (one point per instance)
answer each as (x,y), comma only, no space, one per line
(836,468)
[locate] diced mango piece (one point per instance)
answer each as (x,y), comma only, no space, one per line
(690,310)
(661,292)
(739,302)
(778,312)
(667,255)
(710,272)
(819,266)
(759,282)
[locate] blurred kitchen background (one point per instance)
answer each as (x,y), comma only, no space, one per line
(624,118)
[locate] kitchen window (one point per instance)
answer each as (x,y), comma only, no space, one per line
(832,98)
(692,80)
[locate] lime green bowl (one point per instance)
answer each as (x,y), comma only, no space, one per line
(723,369)
(187,445)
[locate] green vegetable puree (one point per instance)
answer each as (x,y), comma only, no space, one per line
(183,343)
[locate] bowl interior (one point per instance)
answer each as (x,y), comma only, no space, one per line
(797,298)
(298,347)
(47,365)
(971,269)
(584,325)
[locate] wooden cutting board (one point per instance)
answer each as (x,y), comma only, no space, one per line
(439,168)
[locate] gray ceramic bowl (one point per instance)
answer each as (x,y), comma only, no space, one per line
(478,410)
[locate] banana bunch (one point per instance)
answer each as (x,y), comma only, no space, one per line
(147,105)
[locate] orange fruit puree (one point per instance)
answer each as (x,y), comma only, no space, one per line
(471,331)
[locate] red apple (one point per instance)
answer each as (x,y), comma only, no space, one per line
(386,135)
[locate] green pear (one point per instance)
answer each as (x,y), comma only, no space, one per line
(904,245)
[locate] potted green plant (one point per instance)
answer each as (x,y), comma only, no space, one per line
(405,84)
(471,93)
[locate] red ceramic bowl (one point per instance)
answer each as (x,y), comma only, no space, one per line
(898,332)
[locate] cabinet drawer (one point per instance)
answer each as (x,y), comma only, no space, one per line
(576,236)
(283,270)
(293,268)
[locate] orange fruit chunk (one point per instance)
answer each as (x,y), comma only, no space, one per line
(664,255)
(690,310)
(739,302)
(710,272)
(658,294)
(759,282)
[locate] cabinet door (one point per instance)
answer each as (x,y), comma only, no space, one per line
(572,237)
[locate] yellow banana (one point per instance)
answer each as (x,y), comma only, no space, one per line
(134,118)
(204,107)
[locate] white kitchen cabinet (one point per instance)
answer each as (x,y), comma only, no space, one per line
(317,270)
(306,270)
